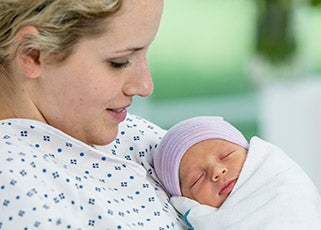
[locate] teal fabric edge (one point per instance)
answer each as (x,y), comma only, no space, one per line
(186,220)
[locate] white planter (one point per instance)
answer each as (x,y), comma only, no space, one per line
(290,117)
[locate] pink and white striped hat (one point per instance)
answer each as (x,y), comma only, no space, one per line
(181,137)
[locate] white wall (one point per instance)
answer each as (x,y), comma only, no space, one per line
(290,117)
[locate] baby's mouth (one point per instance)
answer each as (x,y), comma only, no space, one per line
(227,187)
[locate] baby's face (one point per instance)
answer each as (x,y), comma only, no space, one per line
(209,170)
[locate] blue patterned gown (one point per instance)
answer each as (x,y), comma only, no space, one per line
(49,180)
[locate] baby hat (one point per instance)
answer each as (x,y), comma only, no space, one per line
(181,137)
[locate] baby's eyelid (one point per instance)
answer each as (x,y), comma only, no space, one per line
(196,178)
(227,154)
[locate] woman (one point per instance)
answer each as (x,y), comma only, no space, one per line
(68,71)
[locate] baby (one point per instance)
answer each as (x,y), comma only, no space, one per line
(201,158)
(217,179)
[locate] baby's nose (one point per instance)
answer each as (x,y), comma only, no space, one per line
(218,172)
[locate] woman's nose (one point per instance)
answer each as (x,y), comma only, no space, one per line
(140,82)
(218,172)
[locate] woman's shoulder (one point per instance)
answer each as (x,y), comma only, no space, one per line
(138,131)
(18,129)
(137,139)
(136,124)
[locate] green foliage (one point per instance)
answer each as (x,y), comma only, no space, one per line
(315,2)
(275,40)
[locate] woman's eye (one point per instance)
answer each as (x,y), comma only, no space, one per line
(119,65)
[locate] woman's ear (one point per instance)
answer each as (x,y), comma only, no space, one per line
(28,59)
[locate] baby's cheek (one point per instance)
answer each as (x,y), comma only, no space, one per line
(185,192)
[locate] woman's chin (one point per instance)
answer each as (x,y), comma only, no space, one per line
(100,139)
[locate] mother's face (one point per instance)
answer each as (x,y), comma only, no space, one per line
(86,96)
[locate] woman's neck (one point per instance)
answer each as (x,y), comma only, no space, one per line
(17,104)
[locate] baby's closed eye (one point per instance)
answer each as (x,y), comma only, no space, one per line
(226,155)
(196,178)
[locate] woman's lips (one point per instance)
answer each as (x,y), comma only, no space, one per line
(118,114)
(227,187)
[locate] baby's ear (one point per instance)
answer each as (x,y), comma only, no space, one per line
(28,59)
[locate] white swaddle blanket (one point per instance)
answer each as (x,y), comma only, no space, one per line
(272,192)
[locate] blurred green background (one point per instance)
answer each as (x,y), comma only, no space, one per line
(204,60)
(204,43)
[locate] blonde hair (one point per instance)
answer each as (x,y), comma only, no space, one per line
(61,23)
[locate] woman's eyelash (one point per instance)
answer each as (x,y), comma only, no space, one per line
(119,65)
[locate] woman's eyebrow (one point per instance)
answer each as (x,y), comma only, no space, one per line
(129,50)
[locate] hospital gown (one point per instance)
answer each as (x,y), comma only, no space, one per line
(49,180)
